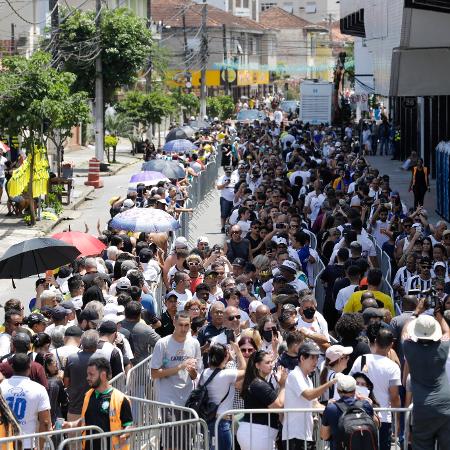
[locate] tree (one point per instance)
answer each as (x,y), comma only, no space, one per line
(189,102)
(116,125)
(36,102)
(213,107)
(226,107)
(123,39)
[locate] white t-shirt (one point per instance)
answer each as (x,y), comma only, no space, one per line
(297,425)
(305,174)
(3,161)
(343,295)
(227,192)
(182,298)
(222,383)
(383,373)
(5,344)
(318,325)
(314,202)
(245,227)
(376,232)
(26,399)
(62,353)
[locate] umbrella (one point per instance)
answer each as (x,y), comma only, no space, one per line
(185,132)
(4,147)
(179,146)
(149,178)
(147,220)
(36,256)
(171,169)
(87,244)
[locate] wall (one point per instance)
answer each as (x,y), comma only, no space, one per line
(292,51)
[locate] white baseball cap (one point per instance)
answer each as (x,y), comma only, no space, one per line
(254,305)
(345,383)
(335,352)
(289,265)
(181,242)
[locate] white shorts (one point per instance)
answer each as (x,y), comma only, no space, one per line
(255,436)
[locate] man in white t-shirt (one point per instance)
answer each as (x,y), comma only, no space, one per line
(225,185)
(27,399)
(182,282)
(313,201)
(311,323)
(353,273)
(300,393)
(386,378)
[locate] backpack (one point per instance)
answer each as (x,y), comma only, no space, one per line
(356,429)
(198,399)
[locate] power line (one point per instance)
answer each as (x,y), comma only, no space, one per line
(26,20)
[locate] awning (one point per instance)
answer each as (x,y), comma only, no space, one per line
(417,72)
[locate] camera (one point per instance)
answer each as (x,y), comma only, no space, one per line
(431,299)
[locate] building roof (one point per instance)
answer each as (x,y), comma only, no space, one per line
(276,17)
(170,13)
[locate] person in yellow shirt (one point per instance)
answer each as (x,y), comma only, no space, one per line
(374,278)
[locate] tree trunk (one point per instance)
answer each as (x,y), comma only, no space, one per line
(30,187)
(114,154)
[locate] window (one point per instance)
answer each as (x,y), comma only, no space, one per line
(311,7)
(265,6)
(245,4)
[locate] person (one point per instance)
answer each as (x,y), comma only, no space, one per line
(13,320)
(374,278)
(346,389)
(75,374)
(237,247)
(386,379)
(221,388)
(259,431)
(105,348)
(28,400)
(426,346)
(211,329)
(226,185)
(104,406)
(142,336)
(176,362)
(300,393)
(289,358)
(419,183)
(72,340)
(167,317)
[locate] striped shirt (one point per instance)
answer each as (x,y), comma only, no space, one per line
(418,283)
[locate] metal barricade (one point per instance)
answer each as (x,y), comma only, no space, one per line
(182,435)
(119,382)
(253,433)
(17,441)
(139,383)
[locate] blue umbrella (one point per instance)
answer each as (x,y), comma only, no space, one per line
(149,178)
(185,132)
(147,220)
(171,169)
(179,146)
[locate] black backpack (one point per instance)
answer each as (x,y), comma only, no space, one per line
(356,429)
(198,399)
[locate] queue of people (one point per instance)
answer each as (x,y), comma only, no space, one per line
(239,318)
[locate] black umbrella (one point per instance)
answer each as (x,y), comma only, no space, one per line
(36,256)
(185,132)
(171,169)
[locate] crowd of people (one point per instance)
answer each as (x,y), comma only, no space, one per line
(239,318)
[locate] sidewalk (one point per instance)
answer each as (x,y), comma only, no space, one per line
(13,229)
(399,181)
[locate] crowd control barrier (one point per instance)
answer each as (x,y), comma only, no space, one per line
(16,442)
(443,179)
(182,435)
(306,415)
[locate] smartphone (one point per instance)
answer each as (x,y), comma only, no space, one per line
(279,226)
(230,336)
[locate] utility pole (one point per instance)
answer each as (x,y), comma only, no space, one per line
(185,42)
(225,58)
(54,22)
(13,40)
(204,60)
(99,102)
(148,78)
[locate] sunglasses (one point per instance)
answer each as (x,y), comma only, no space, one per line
(247,350)
(193,263)
(238,317)
(17,324)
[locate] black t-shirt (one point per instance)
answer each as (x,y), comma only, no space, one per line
(254,243)
(97,413)
(360,347)
(260,395)
(287,361)
(167,326)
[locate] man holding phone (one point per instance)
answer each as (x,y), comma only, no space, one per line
(226,187)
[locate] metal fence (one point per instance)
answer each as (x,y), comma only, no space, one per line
(49,438)
(307,420)
(189,434)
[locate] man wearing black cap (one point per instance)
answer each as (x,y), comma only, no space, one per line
(21,344)
(88,319)
(60,316)
(27,399)
(106,348)
(167,327)
(72,339)
(238,266)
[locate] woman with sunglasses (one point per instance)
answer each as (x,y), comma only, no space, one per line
(195,265)
(259,431)
(41,345)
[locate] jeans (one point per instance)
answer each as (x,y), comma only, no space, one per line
(385,436)
(384,143)
(224,438)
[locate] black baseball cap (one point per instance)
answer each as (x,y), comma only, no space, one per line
(238,262)
(89,315)
(35,318)
(108,327)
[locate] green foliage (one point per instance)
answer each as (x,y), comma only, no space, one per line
(221,106)
(125,42)
(36,100)
(53,199)
(213,107)
(111,141)
(190,102)
(226,107)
